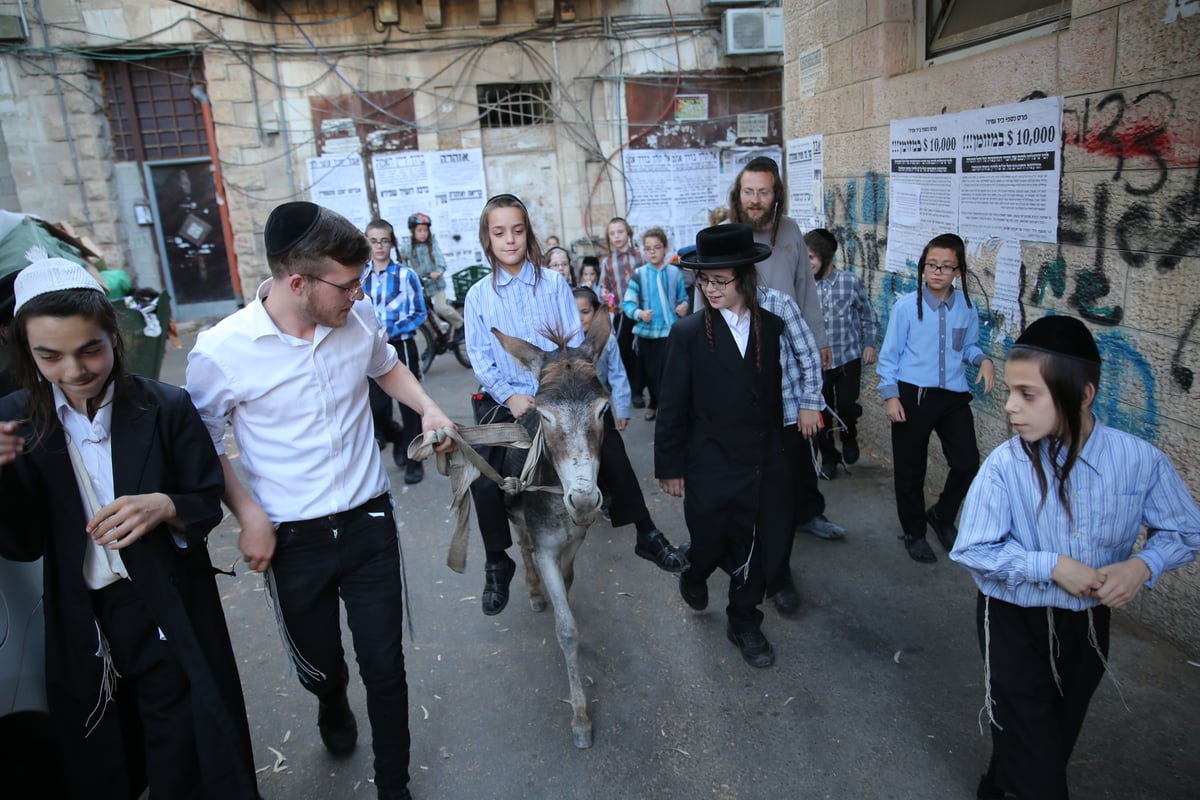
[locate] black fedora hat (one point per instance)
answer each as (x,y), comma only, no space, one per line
(724,246)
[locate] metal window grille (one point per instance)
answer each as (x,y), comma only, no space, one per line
(150,108)
(508,105)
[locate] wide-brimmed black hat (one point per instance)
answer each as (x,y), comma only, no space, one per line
(725,246)
(1062,336)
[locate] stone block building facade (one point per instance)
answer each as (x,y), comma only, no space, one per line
(1127,259)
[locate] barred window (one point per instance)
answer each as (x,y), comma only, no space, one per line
(151,110)
(508,105)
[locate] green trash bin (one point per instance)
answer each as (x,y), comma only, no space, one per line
(144,354)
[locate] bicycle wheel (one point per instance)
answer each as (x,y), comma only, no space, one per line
(425,349)
(460,352)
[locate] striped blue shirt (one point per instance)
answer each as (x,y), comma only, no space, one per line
(798,354)
(659,290)
(1118,484)
(611,371)
(929,352)
(850,322)
(514,307)
(397,298)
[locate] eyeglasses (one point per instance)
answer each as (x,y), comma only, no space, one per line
(761,194)
(940,268)
(353,291)
(705,281)
(379,242)
(653,248)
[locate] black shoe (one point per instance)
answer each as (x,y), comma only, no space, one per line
(756,650)
(399,457)
(496,578)
(946,532)
(414,472)
(653,546)
(850,452)
(639,401)
(695,594)
(335,721)
(919,549)
(828,470)
(787,601)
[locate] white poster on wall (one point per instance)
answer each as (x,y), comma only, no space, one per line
(401,186)
(806,181)
(991,175)
(673,189)
(337,182)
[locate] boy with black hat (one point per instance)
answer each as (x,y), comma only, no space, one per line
(719,432)
(289,371)
(1048,530)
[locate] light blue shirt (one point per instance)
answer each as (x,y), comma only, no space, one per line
(652,289)
(514,307)
(611,371)
(929,352)
(1118,484)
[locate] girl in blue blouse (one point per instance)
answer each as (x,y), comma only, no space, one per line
(931,337)
(1048,532)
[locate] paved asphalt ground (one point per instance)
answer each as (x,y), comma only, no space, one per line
(875,692)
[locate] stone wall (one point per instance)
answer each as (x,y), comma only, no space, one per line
(1127,259)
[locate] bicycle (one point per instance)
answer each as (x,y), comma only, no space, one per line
(432,340)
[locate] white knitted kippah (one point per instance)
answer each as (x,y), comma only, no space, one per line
(51,275)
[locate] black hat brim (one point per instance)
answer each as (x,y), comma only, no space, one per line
(690,261)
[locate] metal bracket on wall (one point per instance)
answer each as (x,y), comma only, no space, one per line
(433,13)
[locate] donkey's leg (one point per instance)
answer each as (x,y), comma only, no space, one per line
(537,600)
(567,559)
(568,640)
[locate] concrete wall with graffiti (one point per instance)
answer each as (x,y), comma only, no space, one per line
(1127,259)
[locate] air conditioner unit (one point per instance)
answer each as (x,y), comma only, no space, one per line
(753,31)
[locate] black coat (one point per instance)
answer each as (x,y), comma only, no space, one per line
(720,422)
(159,444)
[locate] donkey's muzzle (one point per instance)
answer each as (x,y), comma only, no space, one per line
(582,504)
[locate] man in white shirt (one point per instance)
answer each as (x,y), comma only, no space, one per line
(289,371)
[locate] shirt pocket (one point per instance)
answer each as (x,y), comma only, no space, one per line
(958,338)
(1121,521)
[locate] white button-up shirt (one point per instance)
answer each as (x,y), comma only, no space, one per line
(299,409)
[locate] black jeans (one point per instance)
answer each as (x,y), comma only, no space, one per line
(354,556)
(841,388)
(381,405)
(949,415)
(623,329)
(617,480)
(652,356)
(1039,723)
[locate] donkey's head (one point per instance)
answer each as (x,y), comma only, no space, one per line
(571,403)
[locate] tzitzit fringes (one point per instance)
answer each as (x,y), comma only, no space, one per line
(744,569)
(298,661)
(988,702)
(108,682)
(1054,647)
(403,573)
(1094,641)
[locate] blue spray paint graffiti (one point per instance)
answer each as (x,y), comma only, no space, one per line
(1126,399)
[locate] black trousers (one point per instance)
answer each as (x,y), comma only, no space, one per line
(617,480)
(1038,723)
(381,404)
(930,411)
(623,327)
(652,355)
(353,556)
(841,388)
(807,498)
(146,662)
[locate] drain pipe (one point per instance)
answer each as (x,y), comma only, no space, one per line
(62,108)
(226,227)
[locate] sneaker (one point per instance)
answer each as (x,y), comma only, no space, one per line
(787,600)
(756,650)
(335,721)
(414,472)
(820,527)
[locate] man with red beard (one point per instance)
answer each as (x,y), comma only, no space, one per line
(757,199)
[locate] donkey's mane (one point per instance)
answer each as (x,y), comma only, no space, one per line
(567,375)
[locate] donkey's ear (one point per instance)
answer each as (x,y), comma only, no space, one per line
(530,355)
(597,336)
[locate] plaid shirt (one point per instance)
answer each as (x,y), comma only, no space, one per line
(616,273)
(850,322)
(397,298)
(798,354)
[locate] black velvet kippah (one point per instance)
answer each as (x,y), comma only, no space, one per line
(1062,336)
(288,224)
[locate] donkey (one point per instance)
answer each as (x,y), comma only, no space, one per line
(569,410)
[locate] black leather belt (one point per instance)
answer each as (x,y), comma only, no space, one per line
(338,520)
